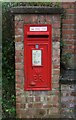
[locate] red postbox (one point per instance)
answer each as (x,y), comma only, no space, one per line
(37,56)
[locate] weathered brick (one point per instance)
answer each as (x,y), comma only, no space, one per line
(19,79)
(68,36)
(55,85)
(19,24)
(18,39)
(18,31)
(66,26)
(56,25)
(56,71)
(19,66)
(55,33)
(19,45)
(48,19)
(19,73)
(70,16)
(22,105)
(33,19)
(73,94)
(18,18)
(68,31)
(55,39)
(18,59)
(53,110)
(27,19)
(18,101)
(30,99)
(37,105)
(56,66)
(66,5)
(41,19)
(55,18)
(70,11)
(17,104)
(55,79)
(69,42)
(19,52)
(18,85)
(37,99)
(47,106)
(68,21)
(40,113)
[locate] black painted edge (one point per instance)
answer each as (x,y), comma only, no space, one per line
(36,10)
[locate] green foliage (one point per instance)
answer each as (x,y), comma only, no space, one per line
(8,73)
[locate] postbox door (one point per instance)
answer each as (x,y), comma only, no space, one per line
(37,67)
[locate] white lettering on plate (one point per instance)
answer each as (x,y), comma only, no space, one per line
(38,28)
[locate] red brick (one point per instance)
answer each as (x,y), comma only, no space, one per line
(56,66)
(56,105)
(67,36)
(19,24)
(27,19)
(47,106)
(68,21)
(18,59)
(37,99)
(18,105)
(37,105)
(30,99)
(18,52)
(56,25)
(34,19)
(55,18)
(41,19)
(56,98)
(73,94)
(70,11)
(48,19)
(18,39)
(56,72)
(22,106)
(18,111)
(19,73)
(55,85)
(56,33)
(68,5)
(18,31)
(18,85)
(68,31)
(19,79)
(68,51)
(69,47)
(56,39)
(19,66)
(55,79)
(69,42)
(18,100)
(17,92)
(70,16)
(30,105)
(65,26)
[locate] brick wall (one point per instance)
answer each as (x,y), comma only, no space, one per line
(37,104)
(68,31)
(68,101)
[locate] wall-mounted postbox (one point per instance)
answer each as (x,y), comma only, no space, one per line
(37,57)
